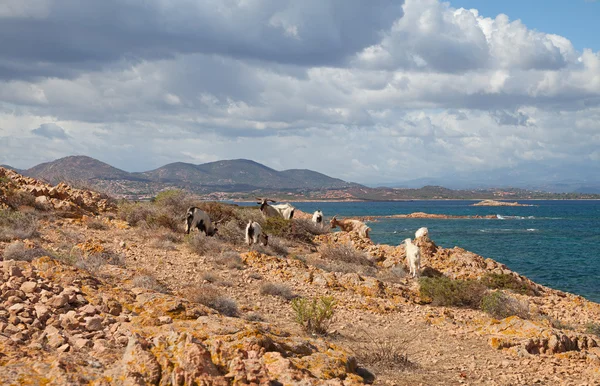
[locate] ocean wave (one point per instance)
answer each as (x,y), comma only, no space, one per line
(507,230)
(502,217)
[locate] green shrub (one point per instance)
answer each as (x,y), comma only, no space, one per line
(314,315)
(277,226)
(507,282)
(500,306)
(444,291)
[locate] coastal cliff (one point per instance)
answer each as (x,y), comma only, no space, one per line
(108,294)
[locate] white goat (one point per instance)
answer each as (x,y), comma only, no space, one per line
(317,217)
(197,218)
(413,257)
(421,232)
(285,211)
(351,225)
(254,234)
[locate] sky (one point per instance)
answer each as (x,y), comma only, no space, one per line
(379,91)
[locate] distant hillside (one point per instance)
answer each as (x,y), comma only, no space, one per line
(20,171)
(244,179)
(76,168)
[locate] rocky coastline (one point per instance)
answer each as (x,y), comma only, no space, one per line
(105,294)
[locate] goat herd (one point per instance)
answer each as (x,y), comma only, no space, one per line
(197,218)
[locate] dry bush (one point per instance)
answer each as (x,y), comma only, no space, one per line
(593,328)
(500,306)
(231,232)
(16,198)
(148,281)
(93,262)
(213,278)
(152,215)
(204,245)
(218,211)
(276,247)
(17,226)
(244,214)
(175,201)
(18,251)
(96,224)
(255,276)
(395,274)
(342,266)
(275,289)
(212,297)
(253,317)
(305,230)
(165,240)
(444,291)
(384,353)
(344,253)
(229,259)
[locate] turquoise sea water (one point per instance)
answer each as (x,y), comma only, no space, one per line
(554,243)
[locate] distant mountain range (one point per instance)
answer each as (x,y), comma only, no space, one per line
(244,179)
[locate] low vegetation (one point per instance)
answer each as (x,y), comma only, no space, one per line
(147,281)
(593,328)
(17,225)
(212,297)
(443,291)
(18,251)
(314,315)
(500,306)
(508,282)
(276,289)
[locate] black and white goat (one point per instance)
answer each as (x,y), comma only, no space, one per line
(197,218)
(317,217)
(254,234)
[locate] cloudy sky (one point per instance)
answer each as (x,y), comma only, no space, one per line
(368,91)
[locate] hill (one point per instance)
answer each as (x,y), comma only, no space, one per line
(76,168)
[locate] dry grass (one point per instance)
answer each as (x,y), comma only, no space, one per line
(253,317)
(212,297)
(95,261)
(231,232)
(384,353)
(18,251)
(204,245)
(276,247)
(396,274)
(276,289)
(96,224)
(148,281)
(344,253)
(229,259)
(17,225)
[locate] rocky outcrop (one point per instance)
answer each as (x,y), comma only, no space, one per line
(59,324)
(69,201)
(498,203)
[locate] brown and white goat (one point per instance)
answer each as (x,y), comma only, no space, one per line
(285,211)
(197,218)
(349,225)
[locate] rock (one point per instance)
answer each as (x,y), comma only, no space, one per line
(16,308)
(28,287)
(82,343)
(139,364)
(88,310)
(55,340)
(165,320)
(93,323)
(64,348)
(59,301)
(41,311)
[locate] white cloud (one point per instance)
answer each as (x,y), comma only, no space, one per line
(404,92)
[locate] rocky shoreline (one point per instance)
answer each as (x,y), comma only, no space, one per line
(92,298)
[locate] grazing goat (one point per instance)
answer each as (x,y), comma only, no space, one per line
(421,232)
(351,225)
(254,234)
(285,211)
(197,218)
(413,257)
(318,217)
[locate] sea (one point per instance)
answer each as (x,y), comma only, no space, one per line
(553,242)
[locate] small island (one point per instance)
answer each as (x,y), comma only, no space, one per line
(498,203)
